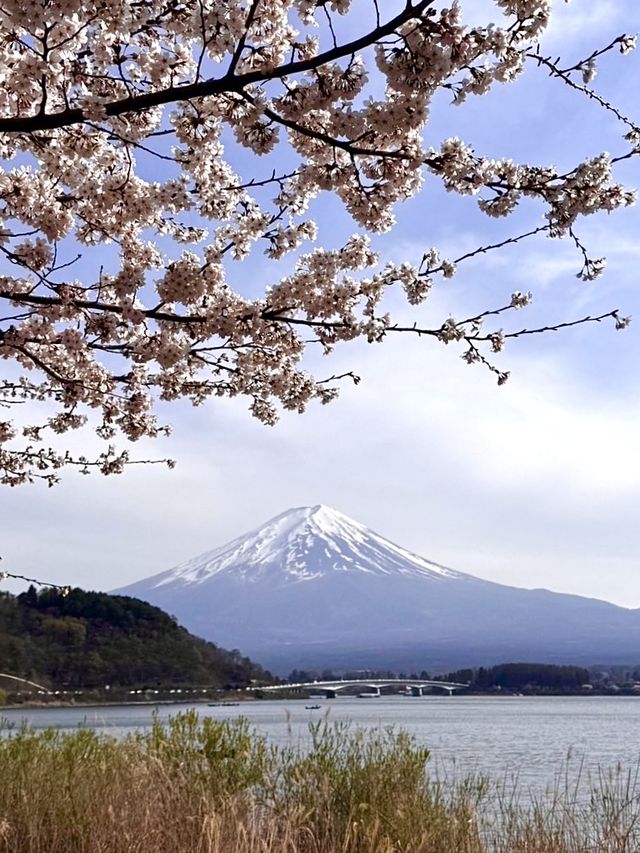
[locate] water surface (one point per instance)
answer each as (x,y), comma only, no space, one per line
(504,737)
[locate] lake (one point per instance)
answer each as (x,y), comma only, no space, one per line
(516,736)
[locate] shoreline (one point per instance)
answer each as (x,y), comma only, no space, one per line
(39,706)
(32,706)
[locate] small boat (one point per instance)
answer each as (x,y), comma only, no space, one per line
(312,707)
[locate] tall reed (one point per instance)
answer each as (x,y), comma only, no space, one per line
(207,786)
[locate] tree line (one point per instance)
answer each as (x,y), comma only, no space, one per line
(508,676)
(520,676)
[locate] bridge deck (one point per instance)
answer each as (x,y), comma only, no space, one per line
(366,682)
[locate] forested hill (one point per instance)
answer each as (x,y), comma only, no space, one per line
(90,639)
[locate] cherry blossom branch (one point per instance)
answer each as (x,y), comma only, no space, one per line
(437,332)
(27,465)
(160,319)
(217,86)
(620,41)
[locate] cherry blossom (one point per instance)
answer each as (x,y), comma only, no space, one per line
(126,209)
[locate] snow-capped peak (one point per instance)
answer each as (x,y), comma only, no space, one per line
(303,544)
(313,588)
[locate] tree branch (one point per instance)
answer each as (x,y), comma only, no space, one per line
(229,83)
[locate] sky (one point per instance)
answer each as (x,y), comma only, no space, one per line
(533,484)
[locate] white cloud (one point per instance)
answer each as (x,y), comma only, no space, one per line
(582,19)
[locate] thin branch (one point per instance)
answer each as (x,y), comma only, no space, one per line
(63,588)
(555,327)
(509,241)
(594,55)
(237,54)
(554,71)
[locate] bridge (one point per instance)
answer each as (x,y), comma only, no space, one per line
(24,681)
(372,686)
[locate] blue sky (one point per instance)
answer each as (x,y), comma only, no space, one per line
(534,484)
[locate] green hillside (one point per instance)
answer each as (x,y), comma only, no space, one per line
(90,639)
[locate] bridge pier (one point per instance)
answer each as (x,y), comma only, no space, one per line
(330,694)
(416,691)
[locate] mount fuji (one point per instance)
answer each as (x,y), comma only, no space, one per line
(313,588)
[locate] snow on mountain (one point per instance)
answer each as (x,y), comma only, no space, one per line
(303,544)
(313,588)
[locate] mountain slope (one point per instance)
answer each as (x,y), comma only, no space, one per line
(311,587)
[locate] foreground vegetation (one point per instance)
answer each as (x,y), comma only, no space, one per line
(209,786)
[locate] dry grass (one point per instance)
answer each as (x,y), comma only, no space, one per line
(205,786)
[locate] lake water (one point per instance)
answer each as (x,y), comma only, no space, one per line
(525,737)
